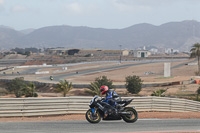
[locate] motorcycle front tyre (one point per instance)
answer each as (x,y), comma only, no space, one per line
(130,118)
(93,119)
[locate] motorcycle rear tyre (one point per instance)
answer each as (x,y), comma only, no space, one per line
(126,117)
(87,115)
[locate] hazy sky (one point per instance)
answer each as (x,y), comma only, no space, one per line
(117,14)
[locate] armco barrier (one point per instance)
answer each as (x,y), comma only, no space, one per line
(12,107)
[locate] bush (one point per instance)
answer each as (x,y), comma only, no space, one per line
(103,80)
(16,86)
(196,73)
(133,84)
(158,93)
(19,87)
(198,92)
(64,87)
(94,88)
(3,92)
(29,91)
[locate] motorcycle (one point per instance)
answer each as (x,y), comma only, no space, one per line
(99,109)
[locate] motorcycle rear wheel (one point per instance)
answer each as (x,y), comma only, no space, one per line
(132,117)
(93,118)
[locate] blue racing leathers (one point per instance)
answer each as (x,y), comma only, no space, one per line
(110,97)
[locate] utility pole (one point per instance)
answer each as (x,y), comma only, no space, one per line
(120,57)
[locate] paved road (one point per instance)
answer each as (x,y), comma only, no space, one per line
(143,125)
(182,64)
(63,76)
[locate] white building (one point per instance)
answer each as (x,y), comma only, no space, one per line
(153,51)
(171,51)
(141,53)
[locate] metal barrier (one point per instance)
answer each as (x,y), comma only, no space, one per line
(12,107)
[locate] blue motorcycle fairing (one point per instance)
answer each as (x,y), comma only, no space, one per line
(106,101)
(93,110)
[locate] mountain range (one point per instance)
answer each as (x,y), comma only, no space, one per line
(177,35)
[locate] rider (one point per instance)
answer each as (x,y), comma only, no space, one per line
(51,77)
(111,95)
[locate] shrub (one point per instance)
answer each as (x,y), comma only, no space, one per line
(158,93)
(29,91)
(94,88)
(16,86)
(19,87)
(198,92)
(103,80)
(64,87)
(133,84)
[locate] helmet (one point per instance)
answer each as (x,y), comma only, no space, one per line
(104,89)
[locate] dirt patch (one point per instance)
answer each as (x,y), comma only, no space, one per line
(142,115)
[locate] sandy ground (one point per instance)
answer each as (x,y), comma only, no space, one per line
(141,115)
(118,76)
(185,72)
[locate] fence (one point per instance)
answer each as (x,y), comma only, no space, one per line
(12,107)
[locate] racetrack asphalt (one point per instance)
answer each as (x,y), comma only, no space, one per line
(82,126)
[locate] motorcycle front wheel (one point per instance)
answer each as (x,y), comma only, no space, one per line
(93,117)
(132,117)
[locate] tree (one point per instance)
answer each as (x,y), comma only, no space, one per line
(18,50)
(27,53)
(158,93)
(64,87)
(17,87)
(133,84)
(196,53)
(29,91)
(94,88)
(198,92)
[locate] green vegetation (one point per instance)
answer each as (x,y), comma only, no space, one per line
(198,92)
(103,80)
(94,88)
(3,92)
(158,93)
(196,53)
(29,91)
(19,87)
(63,87)
(133,84)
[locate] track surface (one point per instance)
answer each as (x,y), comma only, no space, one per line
(63,76)
(82,126)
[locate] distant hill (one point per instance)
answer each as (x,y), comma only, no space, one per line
(9,37)
(27,31)
(178,35)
